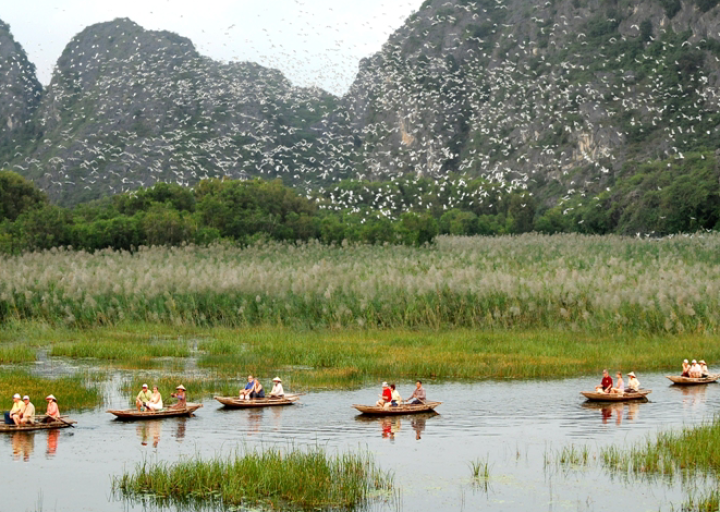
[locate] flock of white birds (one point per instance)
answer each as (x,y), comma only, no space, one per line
(514,91)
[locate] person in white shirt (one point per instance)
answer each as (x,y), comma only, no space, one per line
(695,371)
(155,403)
(633,383)
(277,389)
(704,369)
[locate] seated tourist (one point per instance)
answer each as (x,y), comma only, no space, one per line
(633,384)
(385,396)
(16,411)
(143,398)
(245,392)
(395,398)
(28,415)
(155,403)
(257,389)
(606,383)
(619,385)
(277,389)
(695,371)
(685,368)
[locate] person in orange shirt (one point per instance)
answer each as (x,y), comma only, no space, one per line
(53,411)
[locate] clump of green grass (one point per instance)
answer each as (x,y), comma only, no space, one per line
(73,393)
(709,501)
(480,469)
(304,479)
(141,352)
(690,451)
(14,353)
(574,456)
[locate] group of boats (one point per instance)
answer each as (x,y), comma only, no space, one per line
(641,395)
(233,402)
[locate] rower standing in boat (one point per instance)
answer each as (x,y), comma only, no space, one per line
(53,412)
(277,390)
(606,383)
(179,395)
(633,384)
(143,398)
(13,417)
(418,396)
(28,415)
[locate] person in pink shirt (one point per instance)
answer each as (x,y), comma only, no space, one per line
(53,411)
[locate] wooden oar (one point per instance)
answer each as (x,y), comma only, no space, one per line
(59,418)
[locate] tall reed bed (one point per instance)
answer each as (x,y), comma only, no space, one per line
(577,282)
(73,393)
(691,451)
(292,479)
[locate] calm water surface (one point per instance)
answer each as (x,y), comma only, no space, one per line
(511,424)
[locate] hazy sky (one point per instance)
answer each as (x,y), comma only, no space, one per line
(314,42)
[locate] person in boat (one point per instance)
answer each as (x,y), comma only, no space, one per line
(418,396)
(155,403)
(257,390)
(385,396)
(13,417)
(685,369)
(633,383)
(619,384)
(606,383)
(245,392)
(695,371)
(179,395)
(143,398)
(28,415)
(704,373)
(277,389)
(395,398)
(53,411)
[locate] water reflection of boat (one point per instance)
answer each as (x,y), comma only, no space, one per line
(234,402)
(390,425)
(607,410)
(23,445)
(397,410)
(147,430)
(689,381)
(134,414)
(616,397)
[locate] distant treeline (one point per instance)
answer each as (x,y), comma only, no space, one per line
(654,198)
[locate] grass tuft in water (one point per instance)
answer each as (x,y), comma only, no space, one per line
(302,479)
(73,393)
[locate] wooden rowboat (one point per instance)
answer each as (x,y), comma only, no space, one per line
(38,426)
(400,409)
(134,414)
(690,381)
(616,397)
(234,402)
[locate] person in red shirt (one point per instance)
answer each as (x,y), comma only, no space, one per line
(386,396)
(606,383)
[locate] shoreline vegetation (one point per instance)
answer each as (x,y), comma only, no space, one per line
(592,284)
(304,479)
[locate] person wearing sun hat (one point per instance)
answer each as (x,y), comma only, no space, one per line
(28,415)
(633,384)
(16,411)
(277,389)
(179,395)
(53,411)
(704,372)
(143,398)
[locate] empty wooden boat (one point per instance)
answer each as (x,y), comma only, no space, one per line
(692,381)
(616,397)
(39,426)
(134,414)
(400,409)
(235,402)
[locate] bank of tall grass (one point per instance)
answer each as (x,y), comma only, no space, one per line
(592,283)
(74,393)
(295,478)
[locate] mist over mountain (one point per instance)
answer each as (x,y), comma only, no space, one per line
(561,97)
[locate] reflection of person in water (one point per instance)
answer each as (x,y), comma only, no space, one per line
(390,427)
(418,425)
(608,411)
(149,429)
(23,445)
(180,429)
(52,442)
(254,420)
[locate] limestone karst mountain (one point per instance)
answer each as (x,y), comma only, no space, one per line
(554,96)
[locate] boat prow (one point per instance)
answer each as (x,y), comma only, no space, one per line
(234,402)
(692,381)
(594,396)
(378,410)
(134,414)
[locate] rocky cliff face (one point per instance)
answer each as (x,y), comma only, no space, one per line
(20,94)
(535,92)
(129,107)
(549,95)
